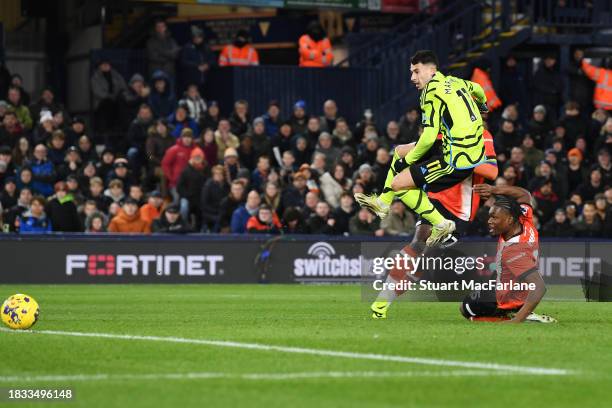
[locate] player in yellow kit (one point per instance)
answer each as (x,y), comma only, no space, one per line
(450,106)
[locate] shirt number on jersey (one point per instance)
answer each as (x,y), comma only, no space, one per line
(463,95)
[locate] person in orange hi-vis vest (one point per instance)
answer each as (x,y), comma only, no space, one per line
(315,47)
(240,53)
(602,97)
(482,78)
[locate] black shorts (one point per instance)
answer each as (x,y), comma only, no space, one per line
(435,174)
(481,303)
(462,226)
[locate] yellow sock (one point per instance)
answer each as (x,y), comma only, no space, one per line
(397,165)
(418,202)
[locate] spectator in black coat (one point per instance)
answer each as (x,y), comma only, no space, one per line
(506,138)
(7,167)
(548,87)
(409,126)
(559,226)
(381,167)
(121,172)
(283,141)
(574,123)
(239,119)
(61,210)
(589,225)
(5,78)
(295,195)
(592,186)
(47,102)
(170,222)
(23,204)
(213,192)
(229,204)
(96,193)
(190,184)
(293,221)
(196,59)
(604,165)
(581,87)
(8,196)
(320,222)
(343,214)
(137,137)
(132,98)
(162,50)
(514,86)
(539,126)
(87,150)
(546,200)
(298,119)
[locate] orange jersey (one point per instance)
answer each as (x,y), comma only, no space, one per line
(460,200)
(516,258)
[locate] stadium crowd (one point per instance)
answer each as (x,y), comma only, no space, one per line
(178,165)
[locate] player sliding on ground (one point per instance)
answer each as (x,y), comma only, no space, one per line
(458,203)
(511,217)
(450,106)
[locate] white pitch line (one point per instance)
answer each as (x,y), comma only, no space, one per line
(248,376)
(316,352)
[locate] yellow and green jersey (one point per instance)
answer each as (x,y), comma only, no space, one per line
(449,107)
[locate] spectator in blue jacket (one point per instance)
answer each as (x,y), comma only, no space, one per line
(43,172)
(196,60)
(272,119)
(241,215)
(260,174)
(162,99)
(180,120)
(34,221)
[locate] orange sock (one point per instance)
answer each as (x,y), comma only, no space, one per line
(489,319)
(403,274)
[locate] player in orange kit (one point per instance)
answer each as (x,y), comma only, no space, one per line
(510,217)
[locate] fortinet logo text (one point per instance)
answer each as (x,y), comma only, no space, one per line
(144,265)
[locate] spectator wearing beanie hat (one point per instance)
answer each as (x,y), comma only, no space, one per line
(576,173)
(299,119)
(176,158)
(171,222)
(261,141)
(231,165)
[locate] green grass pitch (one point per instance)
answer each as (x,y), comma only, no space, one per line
(152,372)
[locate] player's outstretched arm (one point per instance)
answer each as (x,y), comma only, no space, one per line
(533,299)
(487,170)
(477,93)
(521,195)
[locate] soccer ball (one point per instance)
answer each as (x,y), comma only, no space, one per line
(19,312)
